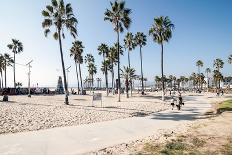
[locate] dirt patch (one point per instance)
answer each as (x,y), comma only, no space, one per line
(210,136)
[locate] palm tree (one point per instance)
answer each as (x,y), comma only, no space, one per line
(207,71)
(18,84)
(17,47)
(193,78)
(199,64)
(140,40)
(60,16)
(218,64)
(1,69)
(230,59)
(170,79)
(104,51)
(157,81)
(217,78)
(130,45)
(92,69)
(8,61)
(127,74)
(76,51)
(161,31)
(118,15)
(112,58)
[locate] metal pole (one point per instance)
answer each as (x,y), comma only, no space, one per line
(29,80)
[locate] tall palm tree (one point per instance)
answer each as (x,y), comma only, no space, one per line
(140,40)
(104,51)
(130,45)
(80,61)
(92,69)
(157,81)
(161,31)
(118,15)
(193,78)
(112,58)
(76,51)
(8,61)
(171,80)
(230,59)
(60,16)
(218,64)
(199,64)
(207,71)
(127,74)
(217,78)
(1,69)
(17,47)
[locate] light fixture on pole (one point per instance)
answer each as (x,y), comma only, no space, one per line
(29,80)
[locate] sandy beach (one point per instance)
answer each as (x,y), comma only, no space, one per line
(22,114)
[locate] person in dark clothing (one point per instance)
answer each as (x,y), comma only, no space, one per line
(222,92)
(173,102)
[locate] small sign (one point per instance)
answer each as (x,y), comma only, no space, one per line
(97,96)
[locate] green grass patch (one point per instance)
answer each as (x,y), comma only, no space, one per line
(225,106)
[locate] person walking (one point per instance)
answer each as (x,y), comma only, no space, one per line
(173,102)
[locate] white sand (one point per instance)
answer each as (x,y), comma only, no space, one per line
(42,112)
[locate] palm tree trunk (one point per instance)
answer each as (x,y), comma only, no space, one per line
(141,60)
(78,86)
(162,70)
(63,68)
(119,83)
(92,82)
(112,79)
(2,79)
(80,78)
(106,79)
(130,80)
(106,76)
(14,72)
(127,89)
(5,73)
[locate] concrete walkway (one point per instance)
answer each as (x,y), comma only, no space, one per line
(84,138)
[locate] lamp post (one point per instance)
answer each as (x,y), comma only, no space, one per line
(29,80)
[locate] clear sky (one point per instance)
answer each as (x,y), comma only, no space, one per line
(203,30)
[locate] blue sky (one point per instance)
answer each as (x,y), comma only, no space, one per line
(203,30)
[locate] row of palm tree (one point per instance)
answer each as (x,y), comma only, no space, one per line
(61,16)
(92,69)
(161,32)
(77,53)
(6,60)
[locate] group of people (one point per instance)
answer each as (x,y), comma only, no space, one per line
(178,102)
(220,91)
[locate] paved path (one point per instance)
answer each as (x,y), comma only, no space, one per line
(84,138)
